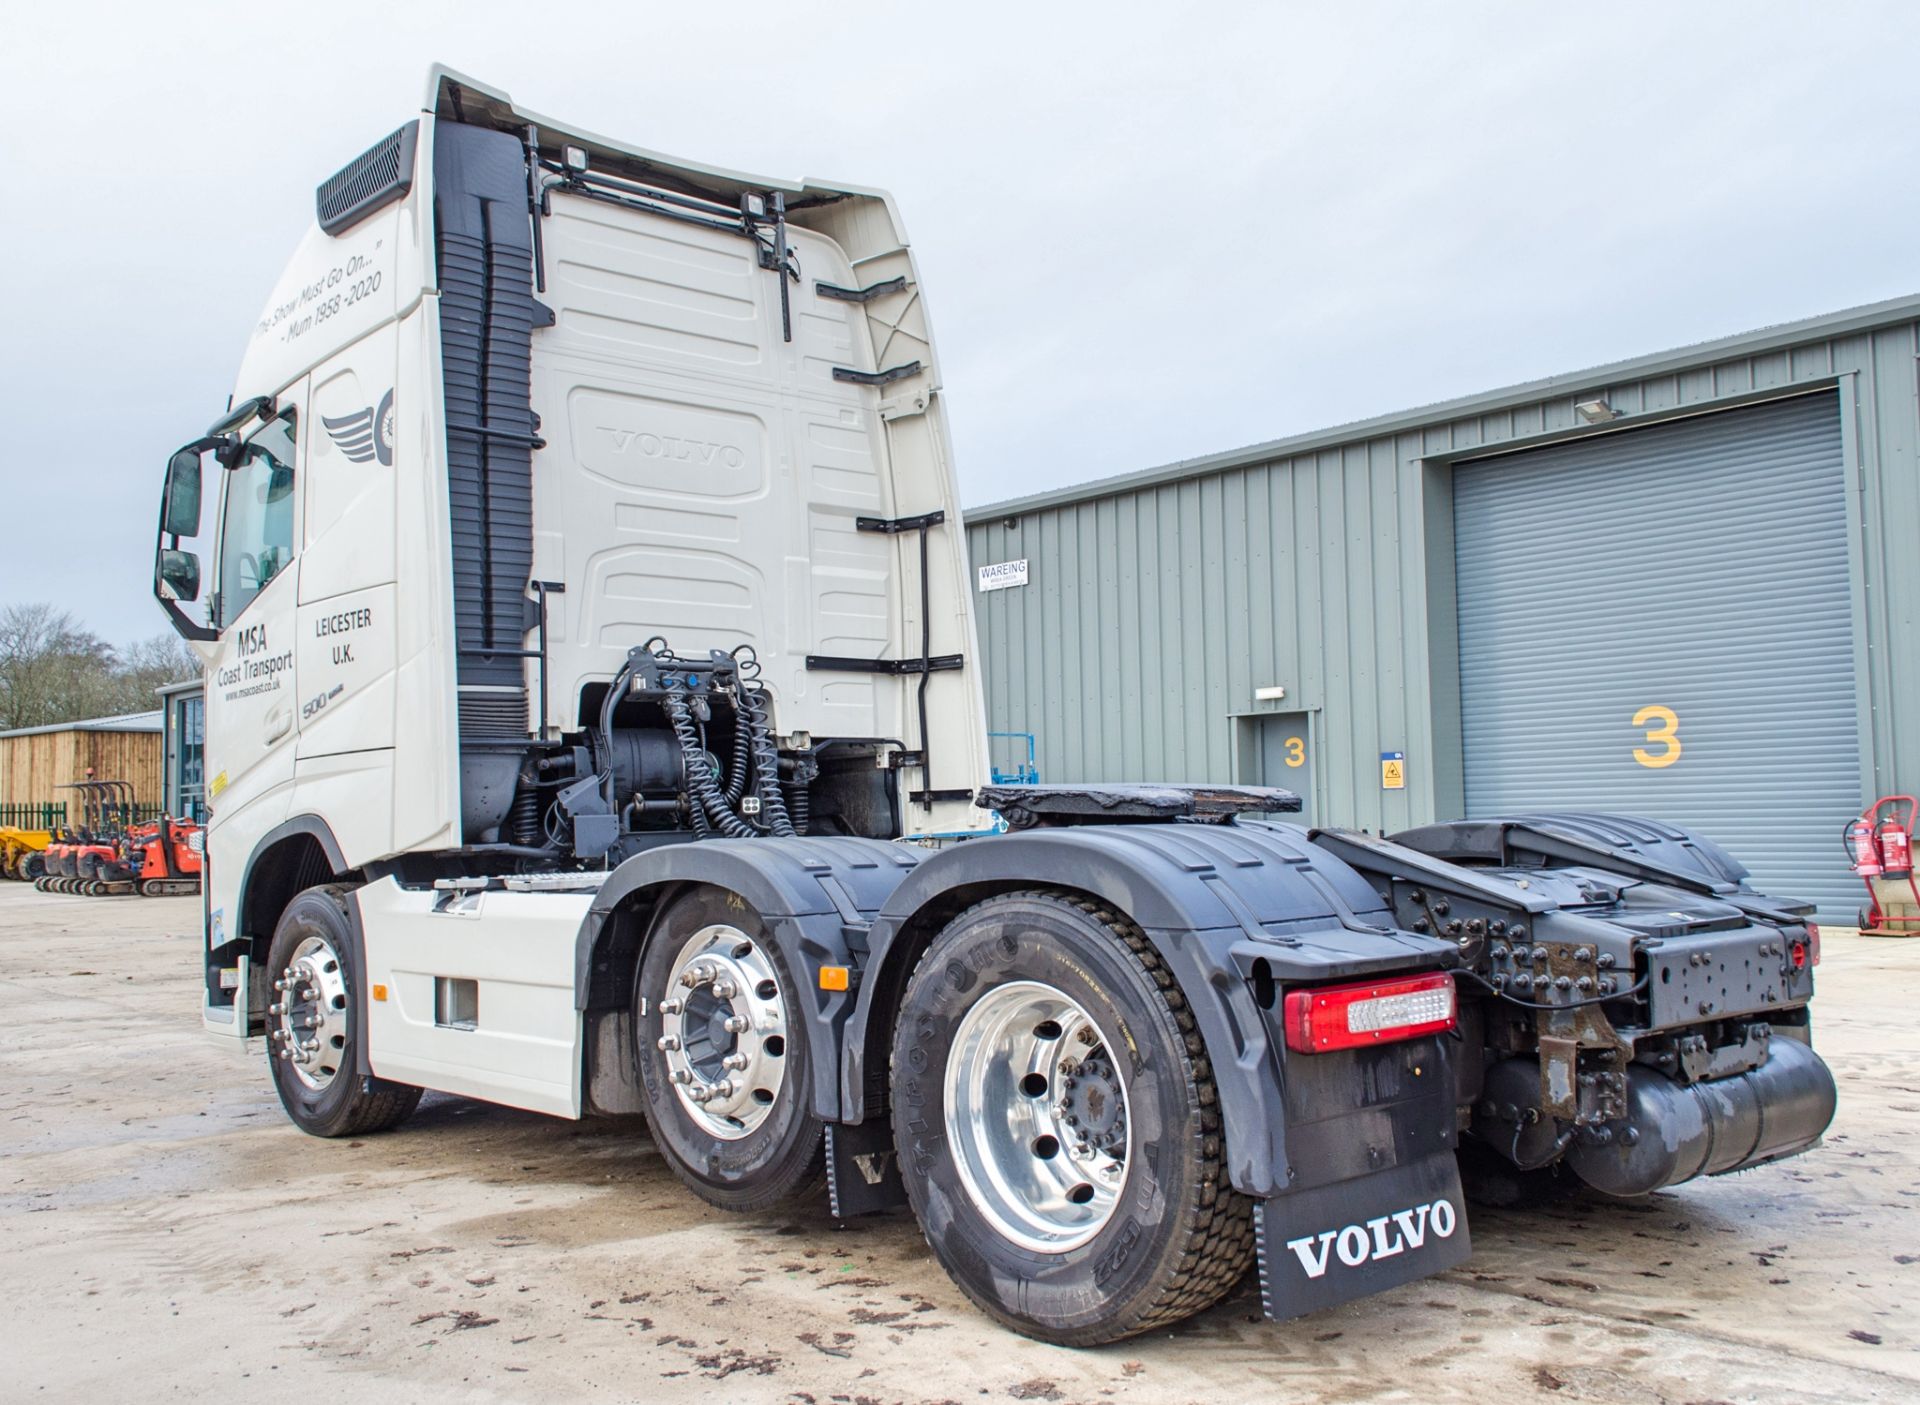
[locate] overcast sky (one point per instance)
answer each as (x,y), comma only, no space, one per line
(1147,232)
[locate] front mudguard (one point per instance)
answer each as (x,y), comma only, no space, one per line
(816,897)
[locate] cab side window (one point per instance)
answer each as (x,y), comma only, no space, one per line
(256,529)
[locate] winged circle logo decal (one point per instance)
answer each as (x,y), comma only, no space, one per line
(366,434)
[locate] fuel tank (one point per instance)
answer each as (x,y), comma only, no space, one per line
(1672,1131)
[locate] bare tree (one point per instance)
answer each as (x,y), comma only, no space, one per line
(53,670)
(152,663)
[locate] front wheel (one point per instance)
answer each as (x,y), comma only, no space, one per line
(313,1033)
(1058,1124)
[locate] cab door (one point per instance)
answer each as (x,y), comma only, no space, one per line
(252,700)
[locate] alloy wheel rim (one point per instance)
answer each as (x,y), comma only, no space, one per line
(309,1020)
(723,1031)
(1038,1117)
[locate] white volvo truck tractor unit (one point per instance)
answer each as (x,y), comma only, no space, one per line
(594,726)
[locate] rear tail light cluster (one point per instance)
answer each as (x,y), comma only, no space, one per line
(1325,1018)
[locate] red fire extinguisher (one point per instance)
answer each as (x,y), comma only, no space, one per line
(1865,848)
(1896,847)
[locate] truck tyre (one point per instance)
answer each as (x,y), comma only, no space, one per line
(313,1033)
(1076,1194)
(722,1051)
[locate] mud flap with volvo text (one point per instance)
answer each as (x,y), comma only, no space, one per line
(1323,1247)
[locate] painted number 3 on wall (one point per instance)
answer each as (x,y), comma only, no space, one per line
(1663,730)
(1296,751)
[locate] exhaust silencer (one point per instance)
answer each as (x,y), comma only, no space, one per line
(1676,1131)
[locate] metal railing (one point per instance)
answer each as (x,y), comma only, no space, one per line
(1021,772)
(49,815)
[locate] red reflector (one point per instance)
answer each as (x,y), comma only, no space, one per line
(1371,1012)
(1813,943)
(1798,951)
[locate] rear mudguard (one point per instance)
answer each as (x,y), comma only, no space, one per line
(1236,911)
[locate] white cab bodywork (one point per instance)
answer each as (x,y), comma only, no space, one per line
(522,1048)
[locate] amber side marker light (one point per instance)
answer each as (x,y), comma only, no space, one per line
(1326,1018)
(833,978)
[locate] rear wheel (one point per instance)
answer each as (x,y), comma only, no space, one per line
(723,1057)
(313,1038)
(31,867)
(1058,1124)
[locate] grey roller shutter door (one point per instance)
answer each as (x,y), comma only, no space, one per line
(1699,567)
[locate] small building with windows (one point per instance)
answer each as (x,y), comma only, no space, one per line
(1680,586)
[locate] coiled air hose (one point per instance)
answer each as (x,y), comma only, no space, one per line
(701,786)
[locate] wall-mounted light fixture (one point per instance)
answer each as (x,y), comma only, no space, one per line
(1596,411)
(1273,694)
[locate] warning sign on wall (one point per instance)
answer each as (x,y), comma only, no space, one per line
(1393,770)
(1003,574)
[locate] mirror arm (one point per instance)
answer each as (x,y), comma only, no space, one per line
(260,406)
(182,622)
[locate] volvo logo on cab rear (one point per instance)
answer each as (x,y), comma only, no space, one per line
(1379,1238)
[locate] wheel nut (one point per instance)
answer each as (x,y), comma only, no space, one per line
(672,1007)
(682,1076)
(724,1088)
(735,1061)
(726,990)
(736,1024)
(668,1042)
(276,1009)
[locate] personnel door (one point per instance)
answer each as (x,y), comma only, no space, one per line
(1283,757)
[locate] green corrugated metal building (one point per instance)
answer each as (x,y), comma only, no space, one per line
(1683,585)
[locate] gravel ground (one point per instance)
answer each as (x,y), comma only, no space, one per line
(164,1231)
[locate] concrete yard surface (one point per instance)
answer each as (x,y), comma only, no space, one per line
(165,1233)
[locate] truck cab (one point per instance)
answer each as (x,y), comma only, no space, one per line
(461,477)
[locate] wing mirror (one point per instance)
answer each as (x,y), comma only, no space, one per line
(180,572)
(182,518)
(176,571)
